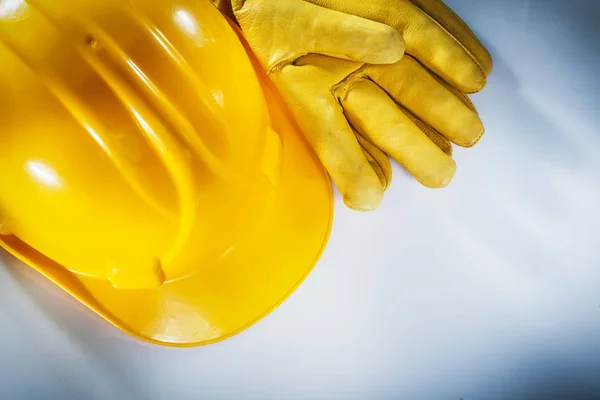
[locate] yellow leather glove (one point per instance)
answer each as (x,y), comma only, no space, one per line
(353,96)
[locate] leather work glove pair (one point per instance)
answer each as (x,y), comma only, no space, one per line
(371,78)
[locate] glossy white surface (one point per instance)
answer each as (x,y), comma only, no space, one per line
(489,289)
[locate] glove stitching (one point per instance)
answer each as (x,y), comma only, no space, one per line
(387,182)
(467,101)
(432,130)
(340,92)
(462,96)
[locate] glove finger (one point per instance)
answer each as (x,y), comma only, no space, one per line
(433,135)
(448,19)
(412,86)
(343,35)
(467,102)
(322,121)
(317,30)
(378,159)
(441,52)
(377,117)
(459,95)
(425,39)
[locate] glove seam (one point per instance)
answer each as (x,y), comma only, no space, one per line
(357,133)
(455,92)
(345,84)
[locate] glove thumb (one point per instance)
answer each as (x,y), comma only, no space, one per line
(299,28)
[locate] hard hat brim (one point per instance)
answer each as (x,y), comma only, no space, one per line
(245,284)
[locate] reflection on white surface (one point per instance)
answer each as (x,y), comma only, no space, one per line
(487,290)
(43,173)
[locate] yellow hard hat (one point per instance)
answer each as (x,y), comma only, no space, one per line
(148,168)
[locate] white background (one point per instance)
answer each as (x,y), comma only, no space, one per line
(489,289)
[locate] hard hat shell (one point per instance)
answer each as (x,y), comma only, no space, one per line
(150,169)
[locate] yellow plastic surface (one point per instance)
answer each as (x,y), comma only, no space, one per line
(149,168)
